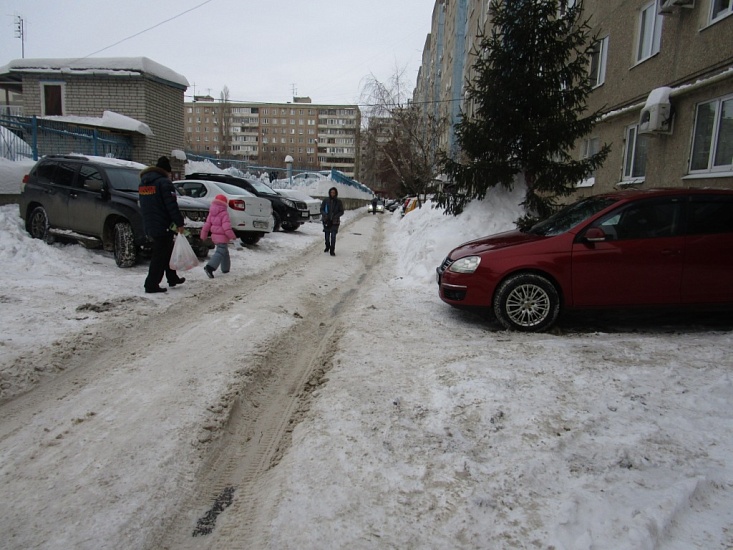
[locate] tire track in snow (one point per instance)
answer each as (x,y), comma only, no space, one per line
(261,421)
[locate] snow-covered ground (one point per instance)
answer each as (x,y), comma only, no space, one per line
(432,429)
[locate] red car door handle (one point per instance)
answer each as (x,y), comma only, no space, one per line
(671,252)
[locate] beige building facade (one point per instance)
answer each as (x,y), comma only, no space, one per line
(663,76)
(317,137)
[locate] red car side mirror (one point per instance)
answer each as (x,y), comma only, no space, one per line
(595,235)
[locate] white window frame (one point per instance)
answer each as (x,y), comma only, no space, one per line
(588,148)
(723,11)
(599,78)
(631,155)
(649,32)
(53,83)
(723,110)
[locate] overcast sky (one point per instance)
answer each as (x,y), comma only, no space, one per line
(262,50)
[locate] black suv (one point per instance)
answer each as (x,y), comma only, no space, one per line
(289,213)
(94,201)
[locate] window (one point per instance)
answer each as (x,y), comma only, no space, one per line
(712,147)
(598,62)
(710,215)
(89,177)
(720,9)
(650,32)
(643,220)
(635,152)
(53,99)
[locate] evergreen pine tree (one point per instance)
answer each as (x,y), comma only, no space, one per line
(529,95)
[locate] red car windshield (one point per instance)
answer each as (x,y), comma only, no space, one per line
(570,216)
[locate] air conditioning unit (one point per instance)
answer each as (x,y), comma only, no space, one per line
(667,6)
(656,116)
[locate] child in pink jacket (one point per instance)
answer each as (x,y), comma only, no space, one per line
(220,226)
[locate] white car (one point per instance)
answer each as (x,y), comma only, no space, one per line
(314,205)
(251,216)
(380,207)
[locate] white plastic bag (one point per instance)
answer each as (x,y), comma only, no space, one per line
(183,256)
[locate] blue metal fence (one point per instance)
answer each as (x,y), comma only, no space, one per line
(48,137)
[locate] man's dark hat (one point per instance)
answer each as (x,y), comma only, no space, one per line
(165,164)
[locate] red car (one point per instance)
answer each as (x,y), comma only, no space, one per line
(659,247)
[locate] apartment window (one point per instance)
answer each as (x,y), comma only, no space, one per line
(720,9)
(635,153)
(712,148)
(53,98)
(650,31)
(598,59)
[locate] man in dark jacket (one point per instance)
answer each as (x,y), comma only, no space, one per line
(331,211)
(161,218)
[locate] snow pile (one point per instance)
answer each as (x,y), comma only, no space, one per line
(109,119)
(112,66)
(12,174)
(426,235)
(314,187)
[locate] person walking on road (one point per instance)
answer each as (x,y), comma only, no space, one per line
(161,219)
(331,211)
(374,205)
(219,225)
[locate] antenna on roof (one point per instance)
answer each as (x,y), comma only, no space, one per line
(20,33)
(295,89)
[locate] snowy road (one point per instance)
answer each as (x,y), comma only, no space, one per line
(304,401)
(233,366)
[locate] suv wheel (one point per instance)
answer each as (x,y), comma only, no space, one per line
(526,302)
(124,245)
(251,238)
(287,226)
(38,226)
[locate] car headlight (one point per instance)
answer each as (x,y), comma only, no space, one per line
(469,264)
(288,203)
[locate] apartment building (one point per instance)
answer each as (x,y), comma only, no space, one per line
(662,73)
(317,137)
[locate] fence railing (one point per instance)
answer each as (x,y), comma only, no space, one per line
(48,137)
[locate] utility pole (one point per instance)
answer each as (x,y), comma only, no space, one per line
(20,33)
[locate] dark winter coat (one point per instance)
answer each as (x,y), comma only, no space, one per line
(158,202)
(331,210)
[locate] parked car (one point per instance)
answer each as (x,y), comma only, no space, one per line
(314,205)
(409,205)
(94,200)
(662,247)
(393,205)
(308,177)
(380,207)
(251,216)
(289,214)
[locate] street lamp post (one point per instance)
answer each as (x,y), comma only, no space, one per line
(289,164)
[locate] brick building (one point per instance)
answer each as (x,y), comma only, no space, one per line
(135,87)
(318,137)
